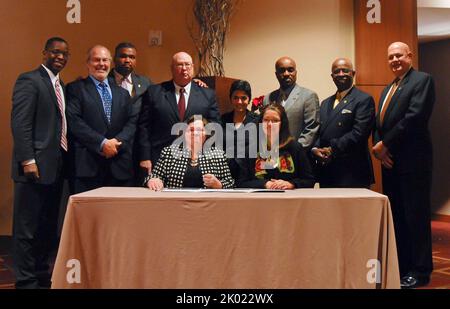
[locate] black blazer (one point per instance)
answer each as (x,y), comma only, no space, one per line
(36,126)
(235,151)
(347,129)
(172,165)
(88,126)
(405,127)
(293,166)
(160,112)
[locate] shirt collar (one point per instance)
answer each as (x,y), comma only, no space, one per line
(119,77)
(344,93)
(97,82)
(52,76)
(187,88)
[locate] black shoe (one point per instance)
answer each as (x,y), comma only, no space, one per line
(411,282)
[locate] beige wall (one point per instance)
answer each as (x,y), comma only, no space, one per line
(312,32)
(435,59)
(26,24)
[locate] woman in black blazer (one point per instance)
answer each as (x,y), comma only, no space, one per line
(189,164)
(237,130)
(288,167)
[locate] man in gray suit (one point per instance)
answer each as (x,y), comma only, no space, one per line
(301,104)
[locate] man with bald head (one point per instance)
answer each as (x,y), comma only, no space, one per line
(403,145)
(301,104)
(347,118)
(169,103)
(102,124)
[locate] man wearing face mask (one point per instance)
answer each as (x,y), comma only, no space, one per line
(301,104)
(347,119)
(102,124)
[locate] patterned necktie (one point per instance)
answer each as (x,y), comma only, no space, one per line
(337,100)
(181,104)
(388,99)
(107,100)
(63,116)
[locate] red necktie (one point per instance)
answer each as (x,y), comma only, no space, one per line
(181,104)
(63,116)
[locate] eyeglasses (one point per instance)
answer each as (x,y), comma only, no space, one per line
(345,71)
(57,52)
(184,65)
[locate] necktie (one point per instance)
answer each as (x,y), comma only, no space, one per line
(181,104)
(63,141)
(107,100)
(388,99)
(337,100)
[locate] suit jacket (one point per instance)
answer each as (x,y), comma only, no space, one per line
(405,127)
(140,84)
(160,112)
(302,109)
(88,126)
(36,126)
(173,162)
(346,129)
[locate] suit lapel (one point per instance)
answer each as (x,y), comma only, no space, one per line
(333,113)
(48,83)
(116,96)
(137,85)
(92,91)
(193,97)
(393,105)
(169,95)
(293,96)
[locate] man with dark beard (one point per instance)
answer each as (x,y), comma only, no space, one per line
(347,118)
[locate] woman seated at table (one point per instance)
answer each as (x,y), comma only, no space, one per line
(236,138)
(189,165)
(287,167)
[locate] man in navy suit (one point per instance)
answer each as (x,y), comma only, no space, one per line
(39,129)
(125,76)
(102,124)
(346,121)
(169,103)
(403,145)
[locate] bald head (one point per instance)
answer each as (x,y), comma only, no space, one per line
(99,62)
(286,72)
(342,73)
(182,68)
(399,58)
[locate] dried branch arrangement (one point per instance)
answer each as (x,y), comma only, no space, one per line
(213,22)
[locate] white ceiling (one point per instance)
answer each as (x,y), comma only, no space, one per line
(433,20)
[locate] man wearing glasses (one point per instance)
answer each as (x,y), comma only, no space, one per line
(301,104)
(347,119)
(169,103)
(39,130)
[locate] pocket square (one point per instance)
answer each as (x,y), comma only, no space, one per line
(346,111)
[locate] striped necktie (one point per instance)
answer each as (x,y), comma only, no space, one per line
(63,116)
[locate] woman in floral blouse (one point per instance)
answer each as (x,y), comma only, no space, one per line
(281,162)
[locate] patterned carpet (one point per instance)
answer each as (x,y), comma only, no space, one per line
(440,278)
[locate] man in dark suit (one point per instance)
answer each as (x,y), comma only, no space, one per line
(39,129)
(125,76)
(102,124)
(403,145)
(347,119)
(169,103)
(301,104)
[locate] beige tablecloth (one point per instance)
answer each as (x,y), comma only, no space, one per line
(135,238)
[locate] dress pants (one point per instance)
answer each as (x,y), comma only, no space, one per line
(409,195)
(35,220)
